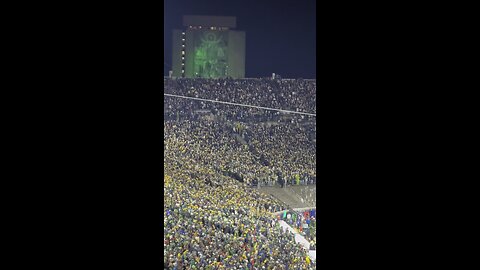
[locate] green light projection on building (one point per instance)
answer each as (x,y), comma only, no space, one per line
(210,54)
(208,48)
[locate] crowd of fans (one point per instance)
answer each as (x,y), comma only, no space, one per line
(294,95)
(303,222)
(213,154)
(287,149)
(275,147)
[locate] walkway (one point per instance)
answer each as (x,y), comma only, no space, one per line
(300,239)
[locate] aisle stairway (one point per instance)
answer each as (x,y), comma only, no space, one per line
(287,196)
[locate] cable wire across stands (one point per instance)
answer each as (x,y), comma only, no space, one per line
(239,104)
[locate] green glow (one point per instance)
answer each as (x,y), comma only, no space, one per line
(210,59)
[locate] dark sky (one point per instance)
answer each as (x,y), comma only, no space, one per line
(280,35)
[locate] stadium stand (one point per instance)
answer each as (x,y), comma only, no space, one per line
(216,156)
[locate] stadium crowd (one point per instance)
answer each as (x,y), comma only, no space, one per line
(270,147)
(277,94)
(296,95)
(213,154)
(304,222)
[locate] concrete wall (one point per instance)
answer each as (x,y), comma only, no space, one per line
(189,54)
(236,54)
(177,53)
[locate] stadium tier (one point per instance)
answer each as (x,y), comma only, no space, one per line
(217,156)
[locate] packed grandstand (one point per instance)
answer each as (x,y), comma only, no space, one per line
(217,159)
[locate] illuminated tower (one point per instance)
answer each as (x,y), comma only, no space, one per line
(208,48)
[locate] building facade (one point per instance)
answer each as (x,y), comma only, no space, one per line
(208,48)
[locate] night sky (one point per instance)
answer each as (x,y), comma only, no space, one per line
(280,35)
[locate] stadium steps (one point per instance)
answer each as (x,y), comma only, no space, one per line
(284,195)
(298,190)
(295,191)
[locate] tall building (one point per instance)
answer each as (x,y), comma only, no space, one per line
(208,48)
